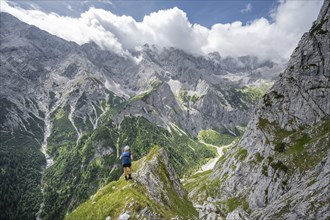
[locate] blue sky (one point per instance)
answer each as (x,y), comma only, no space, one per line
(206,13)
(268,29)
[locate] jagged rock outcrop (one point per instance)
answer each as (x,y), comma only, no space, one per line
(159,178)
(280,168)
(154,193)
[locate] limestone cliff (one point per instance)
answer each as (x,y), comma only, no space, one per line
(280,168)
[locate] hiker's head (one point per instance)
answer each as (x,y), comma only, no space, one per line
(126,148)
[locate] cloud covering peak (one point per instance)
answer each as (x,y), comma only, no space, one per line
(263,38)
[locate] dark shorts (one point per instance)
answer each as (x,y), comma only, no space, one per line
(127,165)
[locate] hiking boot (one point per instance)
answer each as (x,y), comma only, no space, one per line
(126,178)
(129,176)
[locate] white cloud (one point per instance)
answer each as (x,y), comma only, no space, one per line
(266,39)
(248,8)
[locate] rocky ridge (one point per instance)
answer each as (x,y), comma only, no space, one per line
(154,193)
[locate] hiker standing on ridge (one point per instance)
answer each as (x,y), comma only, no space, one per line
(126,160)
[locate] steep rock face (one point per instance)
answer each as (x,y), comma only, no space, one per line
(280,168)
(202,84)
(154,193)
(159,178)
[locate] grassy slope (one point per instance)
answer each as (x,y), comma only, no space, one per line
(216,138)
(297,154)
(132,196)
(253,94)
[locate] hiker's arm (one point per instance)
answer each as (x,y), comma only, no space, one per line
(131,156)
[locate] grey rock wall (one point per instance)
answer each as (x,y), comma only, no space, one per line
(280,168)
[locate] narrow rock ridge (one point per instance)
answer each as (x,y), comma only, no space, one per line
(149,176)
(155,192)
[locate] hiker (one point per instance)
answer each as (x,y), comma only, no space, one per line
(126,160)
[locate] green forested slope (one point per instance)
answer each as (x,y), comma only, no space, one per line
(82,168)
(20,165)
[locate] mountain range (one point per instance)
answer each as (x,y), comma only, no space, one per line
(80,104)
(66,111)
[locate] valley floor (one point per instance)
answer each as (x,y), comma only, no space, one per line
(211,163)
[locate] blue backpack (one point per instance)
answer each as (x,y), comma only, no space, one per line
(126,158)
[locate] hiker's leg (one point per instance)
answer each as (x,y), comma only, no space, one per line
(130,172)
(125,171)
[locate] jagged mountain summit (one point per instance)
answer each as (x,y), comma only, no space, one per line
(52,65)
(79,104)
(280,168)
